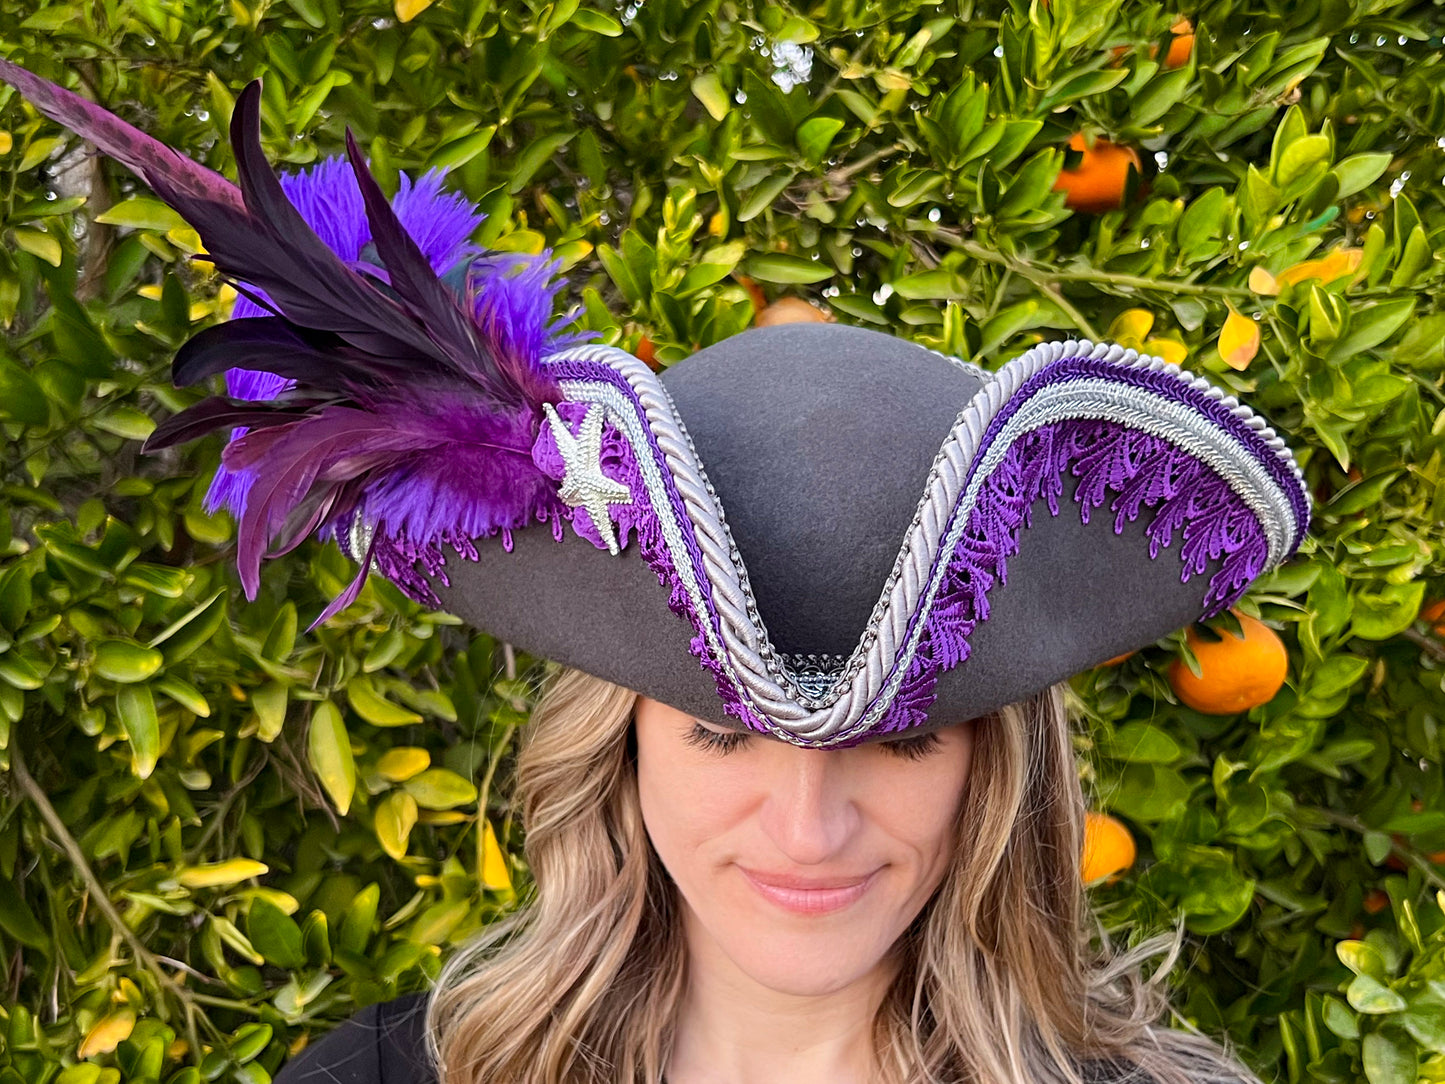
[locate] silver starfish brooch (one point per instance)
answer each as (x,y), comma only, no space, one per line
(583,483)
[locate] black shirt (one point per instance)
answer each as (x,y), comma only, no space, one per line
(382,1044)
(386,1044)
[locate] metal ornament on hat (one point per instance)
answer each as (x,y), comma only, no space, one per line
(584,485)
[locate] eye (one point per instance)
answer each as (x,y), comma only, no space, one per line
(715,741)
(916,747)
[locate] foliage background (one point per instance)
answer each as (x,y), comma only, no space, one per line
(219,834)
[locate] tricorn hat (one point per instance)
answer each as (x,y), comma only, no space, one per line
(824,533)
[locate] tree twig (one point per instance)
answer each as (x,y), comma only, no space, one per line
(103,902)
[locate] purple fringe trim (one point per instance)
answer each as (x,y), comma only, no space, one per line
(1140,471)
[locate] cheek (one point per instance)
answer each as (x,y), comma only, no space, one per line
(917,805)
(688,807)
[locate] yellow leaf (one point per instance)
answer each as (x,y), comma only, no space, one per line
(282,901)
(216,874)
(328,748)
(1338,264)
(440,818)
(407,10)
(495,875)
(1131,326)
(186,239)
(1171,350)
(400,764)
(7,142)
(1239,340)
(1262,282)
(394,820)
(107,1034)
(38,243)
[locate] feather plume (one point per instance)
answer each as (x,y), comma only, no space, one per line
(394,396)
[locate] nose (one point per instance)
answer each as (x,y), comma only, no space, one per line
(810,812)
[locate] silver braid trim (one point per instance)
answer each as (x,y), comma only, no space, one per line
(797,707)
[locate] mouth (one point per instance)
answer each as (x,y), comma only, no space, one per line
(809,895)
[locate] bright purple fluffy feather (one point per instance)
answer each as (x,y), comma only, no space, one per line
(328,198)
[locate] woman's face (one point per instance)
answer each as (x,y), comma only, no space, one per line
(800,867)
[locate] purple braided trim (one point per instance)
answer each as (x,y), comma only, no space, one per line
(1141,471)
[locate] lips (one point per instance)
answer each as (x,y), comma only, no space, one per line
(808,895)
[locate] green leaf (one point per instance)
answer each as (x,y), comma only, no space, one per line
(16,596)
(1301,158)
(19,922)
(461,151)
(597,22)
(38,243)
(360,916)
(194,628)
(1387,612)
(136,708)
(1202,221)
(21,397)
(269,703)
(394,819)
(121,660)
(781,268)
(374,708)
(439,788)
(763,195)
(1369,995)
(38,151)
(1389,1060)
(185,694)
(281,639)
(275,936)
(143,213)
(1143,743)
(708,88)
(328,749)
(1371,326)
(815,135)
(533,158)
(1359,171)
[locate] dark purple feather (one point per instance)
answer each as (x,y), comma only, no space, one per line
(216,413)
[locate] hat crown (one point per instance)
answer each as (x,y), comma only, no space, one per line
(819,440)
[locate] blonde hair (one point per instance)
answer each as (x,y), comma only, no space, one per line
(998,984)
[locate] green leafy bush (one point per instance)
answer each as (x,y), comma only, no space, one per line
(220,833)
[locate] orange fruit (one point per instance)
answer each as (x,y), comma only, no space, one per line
(1117,659)
(1434,612)
(1108,848)
(1098,183)
(1181,46)
(1376,901)
(1235,674)
(790,310)
(646,352)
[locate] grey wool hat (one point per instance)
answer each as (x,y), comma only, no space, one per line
(821,533)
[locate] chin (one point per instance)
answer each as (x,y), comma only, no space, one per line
(802,965)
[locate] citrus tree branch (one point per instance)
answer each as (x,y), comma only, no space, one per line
(67,842)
